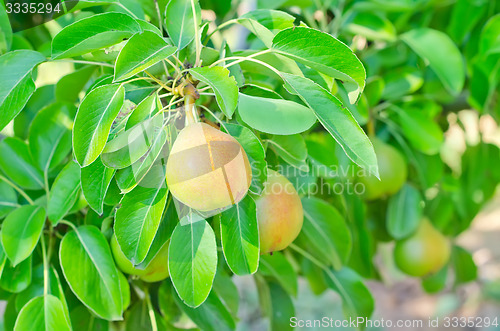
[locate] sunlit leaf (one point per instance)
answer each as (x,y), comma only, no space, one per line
(192,261)
(223,85)
(17,83)
(89,269)
(447,63)
(180,21)
(240,237)
(93,33)
(141,52)
(21,231)
(324,53)
(93,122)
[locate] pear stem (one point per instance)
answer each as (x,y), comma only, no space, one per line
(190,109)
(190,95)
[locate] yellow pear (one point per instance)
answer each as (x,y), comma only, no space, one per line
(207,169)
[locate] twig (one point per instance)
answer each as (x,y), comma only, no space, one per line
(216,118)
(197,36)
(45,266)
(104,64)
(240,58)
(151,311)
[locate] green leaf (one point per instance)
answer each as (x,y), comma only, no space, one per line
(21,231)
(192,261)
(42,313)
(404,212)
(372,26)
(165,229)
(424,135)
(373,91)
(17,83)
(255,153)
(282,309)
(180,21)
(5,30)
(259,91)
(41,98)
(93,33)
(485,78)
(263,293)
(211,315)
(128,178)
(167,303)
(240,237)
(136,91)
(464,18)
(142,51)
(125,290)
(324,53)
(436,282)
(113,195)
(16,163)
(10,314)
(262,74)
(337,120)
(234,70)
(325,231)
(50,135)
(259,30)
(356,297)
(18,278)
(292,149)
(275,116)
(271,19)
(68,88)
(277,266)
(138,219)
(93,122)
(131,145)
(91,274)
(36,288)
(8,199)
(314,276)
(402,81)
(138,319)
(261,21)
(490,36)
(95,183)
(91,3)
(145,109)
(322,154)
(148,26)
(223,85)
(227,291)
(64,192)
(83,319)
(465,267)
(447,63)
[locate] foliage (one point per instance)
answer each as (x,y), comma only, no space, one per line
(83,151)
